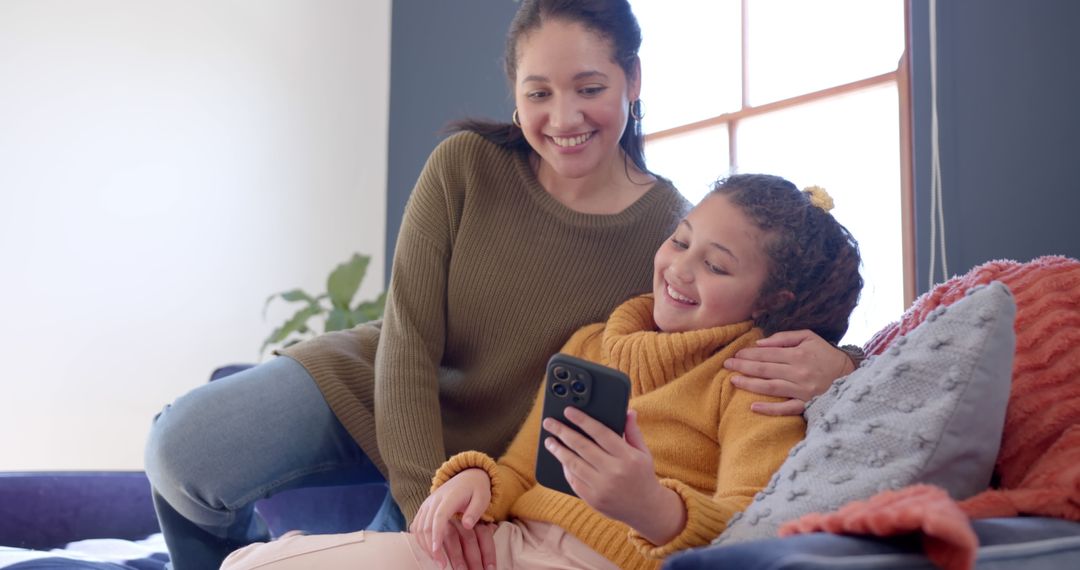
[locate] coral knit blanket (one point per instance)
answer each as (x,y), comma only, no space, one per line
(1038,466)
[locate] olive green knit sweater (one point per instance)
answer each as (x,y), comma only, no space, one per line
(490,276)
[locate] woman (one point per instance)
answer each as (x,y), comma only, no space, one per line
(514,236)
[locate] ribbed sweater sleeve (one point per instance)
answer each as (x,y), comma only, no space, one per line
(517,467)
(407,411)
(509,479)
(472,460)
(752,448)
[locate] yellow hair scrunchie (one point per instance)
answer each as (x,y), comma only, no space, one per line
(819,197)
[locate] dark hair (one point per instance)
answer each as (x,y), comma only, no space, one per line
(611,19)
(810,255)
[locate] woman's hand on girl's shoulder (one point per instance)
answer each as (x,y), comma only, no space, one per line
(797,365)
(465,544)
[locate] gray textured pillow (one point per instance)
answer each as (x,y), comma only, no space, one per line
(930,409)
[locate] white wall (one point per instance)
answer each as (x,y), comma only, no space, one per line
(164,167)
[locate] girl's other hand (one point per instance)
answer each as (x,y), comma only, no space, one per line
(459,542)
(794,364)
(468,549)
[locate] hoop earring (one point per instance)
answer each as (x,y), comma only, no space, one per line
(515,119)
(635,110)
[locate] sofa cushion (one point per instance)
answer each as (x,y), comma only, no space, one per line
(1047,360)
(929,409)
(1031,543)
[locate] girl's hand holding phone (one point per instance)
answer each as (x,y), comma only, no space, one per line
(465,544)
(605,474)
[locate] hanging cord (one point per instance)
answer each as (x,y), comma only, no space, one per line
(937,209)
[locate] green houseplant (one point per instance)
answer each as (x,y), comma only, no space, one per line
(334,307)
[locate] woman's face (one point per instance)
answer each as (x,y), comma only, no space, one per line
(710,272)
(572,98)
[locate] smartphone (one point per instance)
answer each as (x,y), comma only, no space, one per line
(602,393)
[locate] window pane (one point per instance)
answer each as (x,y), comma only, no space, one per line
(796,46)
(849,146)
(692,161)
(690,60)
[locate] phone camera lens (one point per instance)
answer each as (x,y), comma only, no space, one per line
(561,373)
(559,389)
(578,387)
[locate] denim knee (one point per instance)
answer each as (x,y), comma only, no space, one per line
(230,442)
(173,456)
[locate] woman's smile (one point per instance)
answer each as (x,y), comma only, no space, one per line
(574,142)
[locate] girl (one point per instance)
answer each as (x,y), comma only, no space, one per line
(755,256)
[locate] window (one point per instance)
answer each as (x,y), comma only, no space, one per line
(807,90)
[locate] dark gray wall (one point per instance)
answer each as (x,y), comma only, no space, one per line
(1009,117)
(445,64)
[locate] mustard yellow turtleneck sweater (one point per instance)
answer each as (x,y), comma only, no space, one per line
(706,443)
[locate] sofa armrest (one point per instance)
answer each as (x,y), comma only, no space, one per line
(49,509)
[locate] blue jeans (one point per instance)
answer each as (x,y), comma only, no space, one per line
(226,444)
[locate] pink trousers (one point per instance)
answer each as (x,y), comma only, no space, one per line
(519,545)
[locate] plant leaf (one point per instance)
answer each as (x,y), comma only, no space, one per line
(297,323)
(345,280)
(290,295)
(339,320)
(297,295)
(370,310)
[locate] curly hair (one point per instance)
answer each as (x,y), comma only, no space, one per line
(811,255)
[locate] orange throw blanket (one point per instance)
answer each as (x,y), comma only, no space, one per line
(1038,466)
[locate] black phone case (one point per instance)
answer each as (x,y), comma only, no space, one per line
(605,398)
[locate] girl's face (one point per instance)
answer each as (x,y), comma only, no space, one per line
(710,272)
(572,98)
